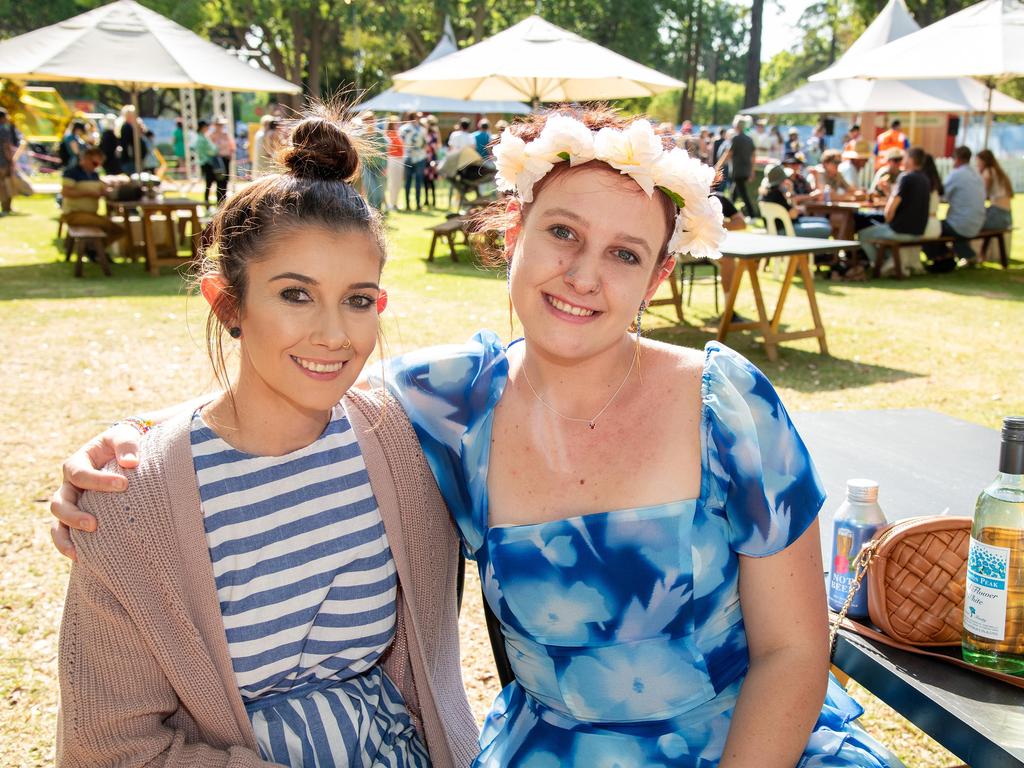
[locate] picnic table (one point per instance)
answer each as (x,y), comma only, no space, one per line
(148,209)
(748,249)
(841,214)
(925,463)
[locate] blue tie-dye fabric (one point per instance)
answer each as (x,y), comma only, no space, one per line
(624,627)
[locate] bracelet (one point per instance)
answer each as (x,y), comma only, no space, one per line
(143,425)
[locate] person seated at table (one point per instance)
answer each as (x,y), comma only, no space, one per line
(998,191)
(906,211)
(934,227)
(882,182)
(776,192)
(81,189)
(799,185)
(826,176)
(73,144)
(852,165)
(965,193)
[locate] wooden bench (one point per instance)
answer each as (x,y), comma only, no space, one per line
(894,246)
(447,229)
(80,239)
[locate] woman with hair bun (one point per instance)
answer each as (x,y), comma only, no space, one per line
(249,601)
(643,515)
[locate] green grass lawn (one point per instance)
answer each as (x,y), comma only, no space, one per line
(77,354)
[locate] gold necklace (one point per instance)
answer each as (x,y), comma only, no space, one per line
(591,422)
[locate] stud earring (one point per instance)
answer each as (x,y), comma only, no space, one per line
(235,332)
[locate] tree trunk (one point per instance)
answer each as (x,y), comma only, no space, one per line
(752,91)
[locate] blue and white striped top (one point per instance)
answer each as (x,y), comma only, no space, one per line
(307,590)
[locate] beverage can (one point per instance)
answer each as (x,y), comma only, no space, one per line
(855,523)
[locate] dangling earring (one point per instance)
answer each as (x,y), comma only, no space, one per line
(235,332)
(639,331)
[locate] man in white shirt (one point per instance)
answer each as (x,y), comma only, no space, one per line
(461,138)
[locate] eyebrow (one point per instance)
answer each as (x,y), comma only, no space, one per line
(566,213)
(310,281)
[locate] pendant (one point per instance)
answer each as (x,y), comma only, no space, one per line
(592,425)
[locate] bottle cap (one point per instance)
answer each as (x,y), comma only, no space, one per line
(1011,452)
(862,490)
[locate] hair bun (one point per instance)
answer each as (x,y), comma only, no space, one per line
(320,149)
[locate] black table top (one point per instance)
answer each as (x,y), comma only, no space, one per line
(925,462)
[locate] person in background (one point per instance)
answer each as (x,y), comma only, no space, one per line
(934,227)
(827,176)
(10,140)
(998,190)
(965,193)
(792,145)
(894,138)
(483,137)
(799,185)
(705,153)
(73,144)
(430,174)
(260,156)
(110,147)
(762,139)
(906,211)
(885,176)
(777,144)
(500,126)
(855,142)
(414,156)
(374,161)
(226,147)
(178,143)
(206,156)
(777,191)
(815,145)
(741,156)
(81,191)
(461,138)
(852,166)
(396,162)
(125,130)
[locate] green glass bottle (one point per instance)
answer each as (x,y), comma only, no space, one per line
(994,601)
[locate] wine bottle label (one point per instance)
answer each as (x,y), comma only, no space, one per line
(985,602)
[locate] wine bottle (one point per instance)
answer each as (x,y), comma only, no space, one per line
(994,601)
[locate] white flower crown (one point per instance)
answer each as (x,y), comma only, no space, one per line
(636,151)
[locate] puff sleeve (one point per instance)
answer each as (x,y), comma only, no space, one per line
(769,485)
(449,393)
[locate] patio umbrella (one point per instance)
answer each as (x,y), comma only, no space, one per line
(128,45)
(390,101)
(534,61)
(985,41)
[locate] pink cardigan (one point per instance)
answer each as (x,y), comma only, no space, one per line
(145,674)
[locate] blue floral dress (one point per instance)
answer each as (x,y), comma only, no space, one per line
(624,627)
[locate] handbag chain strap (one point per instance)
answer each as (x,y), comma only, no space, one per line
(860,568)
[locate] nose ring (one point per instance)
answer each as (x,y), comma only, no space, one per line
(347,344)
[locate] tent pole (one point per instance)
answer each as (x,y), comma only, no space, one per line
(136,138)
(189,129)
(988,111)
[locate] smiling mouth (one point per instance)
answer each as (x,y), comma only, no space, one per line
(569,309)
(315,367)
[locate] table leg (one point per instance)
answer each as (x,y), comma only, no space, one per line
(197,233)
(770,342)
(150,240)
(730,298)
(787,281)
(812,299)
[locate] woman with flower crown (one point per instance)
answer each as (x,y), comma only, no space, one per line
(643,515)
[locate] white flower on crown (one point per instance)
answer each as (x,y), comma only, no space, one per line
(518,170)
(675,171)
(637,152)
(699,230)
(563,138)
(633,151)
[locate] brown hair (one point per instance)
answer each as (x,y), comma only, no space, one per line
(962,153)
(496,218)
(990,164)
(320,160)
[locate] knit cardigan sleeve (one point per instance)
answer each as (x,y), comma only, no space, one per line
(117,707)
(139,683)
